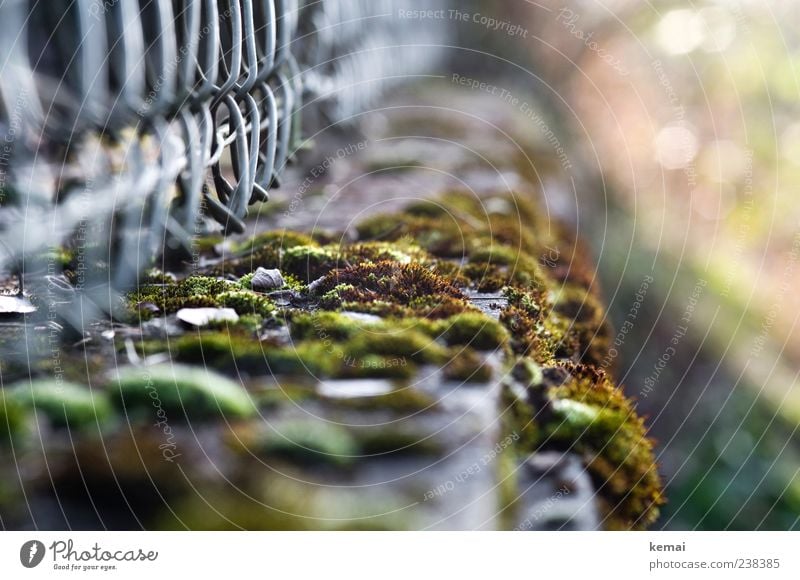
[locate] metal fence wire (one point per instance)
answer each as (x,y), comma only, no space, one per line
(117,117)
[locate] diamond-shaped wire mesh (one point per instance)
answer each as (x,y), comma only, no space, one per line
(117,115)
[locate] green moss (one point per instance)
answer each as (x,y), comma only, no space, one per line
(246,281)
(495,266)
(274,241)
(250,323)
(293,282)
(442,237)
(458,225)
(427,208)
(577,305)
(390,281)
(156,276)
(206,244)
(467,366)
(64,404)
(264,250)
(394,441)
(246,302)
(580,409)
(406,344)
(476,330)
(13,416)
(197,392)
(332,299)
(201,285)
(485,277)
(575,325)
(411,269)
(532,334)
(308,263)
(431,307)
(276,397)
(63,257)
(531,303)
(407,400)
(193,292)
(401,252)
(314,358)
(311,441)
(198,292)
(323,325)
(373,366)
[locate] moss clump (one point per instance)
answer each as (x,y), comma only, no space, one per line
(233,352)
(577,326)
(523,319)
(284,393)
(414,270)
(313,358)
(247,303)
(390,281)
(155,276)
(406,400)
(392,289)
(495,266)
(432,307)
(193,292)
(309,441)
(531,303)
(402,341)
(475,330)
(13,417)
(60,256)
(576,304)
(374,366)
(400,252)
(440,236)
(246,281)
(411,345)
(309,263)
(197,292)
(264,250)
(322,325)
(273,240)
(485,278)
(426,208)
(332,299)
(468,367)
(581,410)
(197,392)
(200,285)
(64,404)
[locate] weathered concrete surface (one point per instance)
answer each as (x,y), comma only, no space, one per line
(343,431)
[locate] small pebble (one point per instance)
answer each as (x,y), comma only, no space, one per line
(362,317)
(267,280)
(15,305)
(205,316)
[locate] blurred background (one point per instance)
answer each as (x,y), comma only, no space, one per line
(682,124)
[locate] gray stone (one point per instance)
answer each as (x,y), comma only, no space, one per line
(556,493)
(362,317)
(15,305)
(206,316)
(267,280)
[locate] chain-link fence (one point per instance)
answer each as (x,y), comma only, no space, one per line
(127,123)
